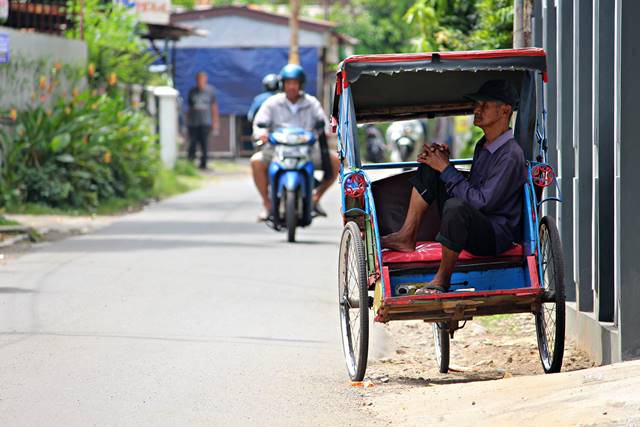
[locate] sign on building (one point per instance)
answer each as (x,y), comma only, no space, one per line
(4,10)
(4,48)
(148,11)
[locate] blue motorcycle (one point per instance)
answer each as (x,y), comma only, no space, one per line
(291,180)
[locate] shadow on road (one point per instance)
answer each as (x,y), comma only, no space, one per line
(11,290)
(104,243)
(182,227)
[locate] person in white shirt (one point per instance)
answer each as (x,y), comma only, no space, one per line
(292,107)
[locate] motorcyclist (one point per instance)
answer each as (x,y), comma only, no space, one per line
(375,143)
(271,83)
(403,136)
(292,107)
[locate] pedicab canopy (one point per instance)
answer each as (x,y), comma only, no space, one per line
(403,86)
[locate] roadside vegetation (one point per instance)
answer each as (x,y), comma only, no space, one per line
(83,144)
(4,221)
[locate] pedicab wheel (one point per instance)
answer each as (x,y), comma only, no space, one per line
(291,216)
(550,319)
(353,297)
(441,344)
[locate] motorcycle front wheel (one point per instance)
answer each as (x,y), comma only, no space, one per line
(291,214)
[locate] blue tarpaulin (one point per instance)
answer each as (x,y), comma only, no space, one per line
(236,73)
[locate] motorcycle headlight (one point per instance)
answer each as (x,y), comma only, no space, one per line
(293,138)
(290,163)
(280,137)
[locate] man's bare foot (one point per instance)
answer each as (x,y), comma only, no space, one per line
(398,242)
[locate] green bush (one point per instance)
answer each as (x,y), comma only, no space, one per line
(77,154)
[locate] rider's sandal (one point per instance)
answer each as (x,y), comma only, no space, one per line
(263,215)
(431,290)
(318,211)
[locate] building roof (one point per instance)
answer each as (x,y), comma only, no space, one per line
(253,12)
(171,31)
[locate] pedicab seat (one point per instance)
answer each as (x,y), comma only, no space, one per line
(432,252)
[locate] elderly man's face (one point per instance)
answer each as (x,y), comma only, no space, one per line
(487,113)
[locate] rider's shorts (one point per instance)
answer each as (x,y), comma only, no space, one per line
(265,155)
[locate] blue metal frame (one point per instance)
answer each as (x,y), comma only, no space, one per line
(398,165)
(478,280)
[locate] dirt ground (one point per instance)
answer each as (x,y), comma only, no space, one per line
(486,348)
(402,360)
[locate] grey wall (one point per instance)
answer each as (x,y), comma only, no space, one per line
(28,55)
(628,202)
(36,45)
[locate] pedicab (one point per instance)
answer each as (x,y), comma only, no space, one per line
(527,278)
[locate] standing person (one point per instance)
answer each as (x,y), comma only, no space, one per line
(271,82)
(202,117)
(292,107)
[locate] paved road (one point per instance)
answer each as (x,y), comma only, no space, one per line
(188,313)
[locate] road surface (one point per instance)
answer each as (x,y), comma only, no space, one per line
(188,313)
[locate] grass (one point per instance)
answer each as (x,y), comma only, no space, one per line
(229,166)
(489,321)
(5,221)
(184,177)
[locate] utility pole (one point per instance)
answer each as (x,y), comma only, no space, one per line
(81,19)
(326,5)
(522,32)
(294,26)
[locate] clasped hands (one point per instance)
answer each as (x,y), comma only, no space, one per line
(435,155)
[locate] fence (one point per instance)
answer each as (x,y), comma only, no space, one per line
(45,16)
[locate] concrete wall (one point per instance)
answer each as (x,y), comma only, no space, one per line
(627,174)
(593,56)
(33,55)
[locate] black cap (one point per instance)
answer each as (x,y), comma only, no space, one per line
(496,90)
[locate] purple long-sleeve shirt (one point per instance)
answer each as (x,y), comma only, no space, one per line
(494,187)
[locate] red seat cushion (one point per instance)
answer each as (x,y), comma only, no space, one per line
(432,252)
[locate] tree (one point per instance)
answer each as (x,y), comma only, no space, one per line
(115,47)
(461,24)
(494,26)
(422,16)
(187,4)
(377,24)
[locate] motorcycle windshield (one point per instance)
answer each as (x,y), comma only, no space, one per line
(293,136)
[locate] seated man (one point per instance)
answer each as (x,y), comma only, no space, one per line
(481,213)
(292,107)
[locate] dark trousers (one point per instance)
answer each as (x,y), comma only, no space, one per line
(461,225)
(199,138)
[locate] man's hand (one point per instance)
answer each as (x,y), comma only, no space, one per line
(215,129)
(264,138)
(435,155)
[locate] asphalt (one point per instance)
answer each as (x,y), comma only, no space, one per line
(187,313)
